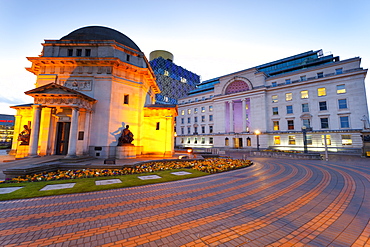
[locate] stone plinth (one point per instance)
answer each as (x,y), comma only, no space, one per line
(127,151)
(22,151)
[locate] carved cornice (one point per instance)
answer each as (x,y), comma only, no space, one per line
(65,101)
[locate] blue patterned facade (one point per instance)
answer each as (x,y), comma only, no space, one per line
(174,81)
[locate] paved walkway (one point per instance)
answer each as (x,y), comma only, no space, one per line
(273,203)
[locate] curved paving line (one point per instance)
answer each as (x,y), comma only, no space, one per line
(120,213)
(152,218)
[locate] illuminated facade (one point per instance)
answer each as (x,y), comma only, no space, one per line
(174,81)
(321,94)
(90,84)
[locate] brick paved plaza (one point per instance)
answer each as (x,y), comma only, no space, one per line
(272,203)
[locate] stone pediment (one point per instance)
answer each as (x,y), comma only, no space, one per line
(56,95)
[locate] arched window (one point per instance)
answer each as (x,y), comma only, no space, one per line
(226,141)
(237,86)
(249,143)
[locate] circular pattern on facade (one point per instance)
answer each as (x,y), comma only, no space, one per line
(272,203)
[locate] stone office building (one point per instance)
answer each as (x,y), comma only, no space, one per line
(321,94)
(90,84)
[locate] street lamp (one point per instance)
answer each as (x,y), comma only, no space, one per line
(257,133)
(304,130)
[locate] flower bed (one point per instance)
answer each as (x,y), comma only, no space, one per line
(206,165)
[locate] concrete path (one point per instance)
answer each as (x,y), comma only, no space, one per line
(273,203)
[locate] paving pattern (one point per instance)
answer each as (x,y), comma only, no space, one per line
(272,203)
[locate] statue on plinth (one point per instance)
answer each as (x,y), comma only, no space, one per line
(126,137)
(24,136)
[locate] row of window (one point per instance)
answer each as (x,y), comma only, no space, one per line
(201,141)
(304,78)
(78,52)
(323,106)
(341,89)
(324,123)
(202,109)
(346,140)
(202,129)
(203,119)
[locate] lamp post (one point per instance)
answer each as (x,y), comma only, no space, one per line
(304,131)
(257,132)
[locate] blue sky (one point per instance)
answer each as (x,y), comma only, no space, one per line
(210,38)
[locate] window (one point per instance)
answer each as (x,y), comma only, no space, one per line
(165,98)
(210,129)
(182,130)
(289,109)
(188,140)
(126,99)
(344,122)
(79,52)
(276,140)
(211,140)
(303,78)
(127,57)
(288,96)
(274,98)
(304,94)
(195,110)
(328,139)
(287,81)
(276,125)
(306,123)
(211,118)
(87,52)
(309,139)
(342,103)
(338,71)
(291,140)
(188,120)
(189,131)
(182,120)
(195,130)
(341,89)
(290,124)
(166,73)
(305,107)
(320,75)
(195,119)
(323,106)
(275,111)
(210,108)
(195,140)
(203,129)
(203,140)
(203,119)
(324,122)
(183,112)
(226,141)
(203,109)
(183,80)
(321,91)
(182,140)
(157,126)
(273,84)
(70,52)
(189,111)
(346,140)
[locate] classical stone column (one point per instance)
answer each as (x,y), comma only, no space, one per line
(231,116)
(73,133)
(34,137)
(244,114)
(87,131)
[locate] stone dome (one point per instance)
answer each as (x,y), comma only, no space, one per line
(100,33)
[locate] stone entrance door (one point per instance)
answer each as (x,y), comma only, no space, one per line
(62,138)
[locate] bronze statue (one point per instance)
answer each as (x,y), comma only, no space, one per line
(126,137)
(24,136)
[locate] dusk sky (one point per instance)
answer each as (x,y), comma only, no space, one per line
(209,38)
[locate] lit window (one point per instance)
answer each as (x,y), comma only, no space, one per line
(341,89)
(323,106)
(346,140)
(126,99)
(324,123)
(290,124)
(287,81)
(342,103)
(338,71)
(320,75)
(195,110)
(182,112)
(275,111)
(211,140)
(321,91)
(166,73)
(183,80)
(289,109)
(203,119)
(291,140)
(87,52)
(344,122)
(328,139)
(226,141)
(210,108)
(203,109)
(305,107)
(189,111)
(210,129)
(276,140)
(303,78)
(276,125)
(165,98)
(274,98)
(304,94)
(273,84)
(288,96)
(79,52)
(306,123)
(309,139)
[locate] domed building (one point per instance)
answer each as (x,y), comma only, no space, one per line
(90,85)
